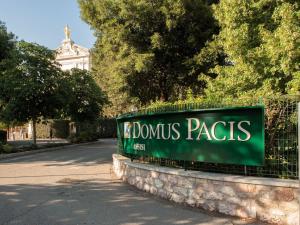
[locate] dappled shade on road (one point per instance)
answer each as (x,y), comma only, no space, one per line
(77,186)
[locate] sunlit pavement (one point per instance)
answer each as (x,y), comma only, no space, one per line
(77,186)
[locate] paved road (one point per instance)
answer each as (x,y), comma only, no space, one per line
(76,186)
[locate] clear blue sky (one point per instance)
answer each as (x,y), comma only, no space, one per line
(43,21)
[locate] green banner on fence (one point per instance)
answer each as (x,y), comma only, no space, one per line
(230,135)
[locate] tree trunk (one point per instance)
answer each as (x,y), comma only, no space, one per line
(34,131)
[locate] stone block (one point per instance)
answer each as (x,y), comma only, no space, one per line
(289,206)
(212,196)
(126,173)
(153,190)
(154,174)
(245,212)
(185,182)
(266,198)
(196,195)
(131,180)
(245,188)
(190,202)
(181,191)
(146,187)
(131,172)
(284,194)
(261,188)
(163,194)
(163,177)
(137,172)
(204,185)
(144,173)
(199,190)
(158,183)
(168,187)
(228,191)
(233,200)
(177,198)
(246,208)
(293,218)
(271,215)
(200,202)
(149,180)
(172,179)
(226,208)
(209,205)
(190,193)
(139,179)
(140,185)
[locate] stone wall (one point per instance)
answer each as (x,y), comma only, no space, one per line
(270,200)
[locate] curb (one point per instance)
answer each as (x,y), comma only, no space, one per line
(32,152)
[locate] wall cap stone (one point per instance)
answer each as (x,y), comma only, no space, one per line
(211,176)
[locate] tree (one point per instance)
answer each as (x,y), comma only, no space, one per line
(7,48)
(30,87)
(85,98)
(146,50)
(261,41)
(7,42)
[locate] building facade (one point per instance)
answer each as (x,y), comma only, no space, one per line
(70,55)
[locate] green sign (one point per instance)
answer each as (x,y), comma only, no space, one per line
(230,135)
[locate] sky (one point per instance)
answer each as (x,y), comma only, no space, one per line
(43,21)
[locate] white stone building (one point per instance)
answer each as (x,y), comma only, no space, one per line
(70,55)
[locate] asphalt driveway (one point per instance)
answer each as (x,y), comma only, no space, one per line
(77,186)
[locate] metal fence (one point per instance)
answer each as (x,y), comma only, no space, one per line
(281,139)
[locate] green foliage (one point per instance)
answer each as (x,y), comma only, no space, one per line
(107,127)
(72,138)
(31,88)
(7,43)
(148,50)
(85,99)
(7,47)
(60,128)
(261,41)
(8,149)
(3,136)
(84,136)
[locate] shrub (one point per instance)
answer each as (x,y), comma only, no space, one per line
(3,136)
(84,136)
(73,138)
(107,127)
(60,129)
(8,149)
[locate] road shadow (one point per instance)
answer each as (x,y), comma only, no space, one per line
(90,202)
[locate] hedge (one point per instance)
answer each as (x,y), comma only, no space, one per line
(3,136)
(60,129)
